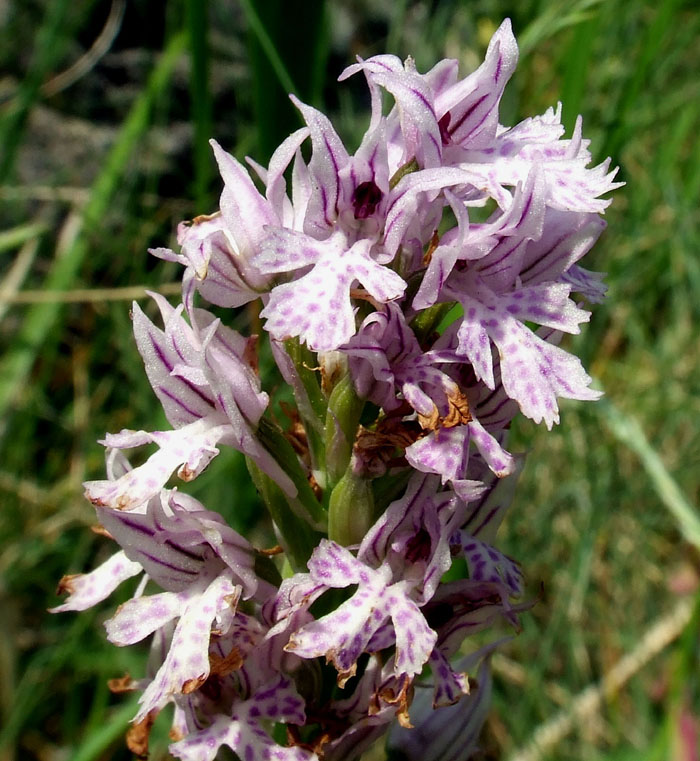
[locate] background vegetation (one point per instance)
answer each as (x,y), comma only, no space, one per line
(105,109)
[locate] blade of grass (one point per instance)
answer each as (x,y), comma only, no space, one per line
(266,43)
(655,33)
(18,235)
(576,67)
(588,702)
(94,745)
(288,47)
(89,295)
(49,44)
(42,667)
(627,430)
(17,363)
(200,94)
(555,18)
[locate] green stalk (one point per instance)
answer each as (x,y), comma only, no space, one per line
(342,419)
(311,403)
(428,321)
(305,504)
(298,539)
(351,509)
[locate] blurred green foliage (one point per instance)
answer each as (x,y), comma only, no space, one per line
(93,173)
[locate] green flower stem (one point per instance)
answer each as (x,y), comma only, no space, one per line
(351,509)
(428,321)
(342,419)
(297,538)
(305,504)
(408,168)
(313,407)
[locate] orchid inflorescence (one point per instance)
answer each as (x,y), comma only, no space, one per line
(410,334)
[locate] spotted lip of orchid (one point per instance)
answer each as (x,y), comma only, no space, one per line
(411,333)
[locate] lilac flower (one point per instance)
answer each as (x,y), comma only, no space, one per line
(410,335)
(452,732)
(243,730)
(343,635)
(318,305)
(208,391)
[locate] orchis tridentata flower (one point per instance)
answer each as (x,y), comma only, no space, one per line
(411,332)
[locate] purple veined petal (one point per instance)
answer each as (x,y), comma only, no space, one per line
(188,449)
(243,732)
(231,280)
(286,251)
(415,640)
(245,211)
(474,341)
(141,616)
(187,666)
(486,563)
(444,257)
(445,452)
(502,463)
(448,734)
(522,222)
(535,373)
(420,490)
(334,566)
(568,236)
(419,127)
(182,401)
(414,103)
(383,63)
(449,686)
(547,304)
(177,540)
(406,201)
(487,514)
(372,154)
(224,273)
(442,76)
(472,103)
(328,158)
(225,367)
(280,160)
(87,589)
(588,284)
(165,556)
(317,307)
(386,62)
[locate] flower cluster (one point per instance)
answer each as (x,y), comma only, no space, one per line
(413,295)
